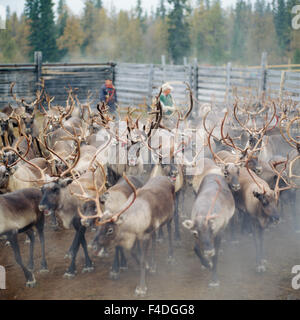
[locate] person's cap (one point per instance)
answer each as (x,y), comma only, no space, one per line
(166,86)
(108,77)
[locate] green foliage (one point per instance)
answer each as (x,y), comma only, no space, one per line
(175,28)
(178,30)
(42,36)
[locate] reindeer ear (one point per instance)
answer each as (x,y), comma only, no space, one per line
(189,224)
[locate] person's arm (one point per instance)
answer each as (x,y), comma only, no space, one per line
(103,94)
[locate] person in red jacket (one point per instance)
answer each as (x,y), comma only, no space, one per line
(108,95)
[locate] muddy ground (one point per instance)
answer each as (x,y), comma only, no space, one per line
(183,280)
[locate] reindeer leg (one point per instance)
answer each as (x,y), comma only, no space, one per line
(123,261)
(258,239)
(171,259)
(294,209)
(215,281)
(153,264)
(136,255)
(141,290)
(31,237)
(176,218)
(88,266)
(40,230)
(233,223)
(70,273)
(13,239)
(160,237)
(182,194)
(115,271)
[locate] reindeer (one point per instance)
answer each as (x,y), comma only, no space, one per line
(60,197)
(111,201)
(260,203)
(15,176)
(211,213)
(145,211)
(19,212)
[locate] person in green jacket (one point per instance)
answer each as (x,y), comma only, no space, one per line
(167,100)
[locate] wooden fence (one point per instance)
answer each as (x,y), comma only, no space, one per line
(58,77)
(137,84)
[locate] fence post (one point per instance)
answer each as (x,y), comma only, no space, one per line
(150,85)
(282,80)
(228,83)
(263,75)
(38,60)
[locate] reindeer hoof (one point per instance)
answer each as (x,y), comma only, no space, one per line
(31,284)
(88,269)
(7,243)
(264,262)
(140,291)
(69,275)
(160,240)
(113,275)
(30,268)
(214,284)
(124,268)
(54,227)
(44,270)
(153,269)
(171,260)
(260,269)
(27,241)
(68,255)
(103,253)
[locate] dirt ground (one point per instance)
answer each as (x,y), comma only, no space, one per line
(183,280)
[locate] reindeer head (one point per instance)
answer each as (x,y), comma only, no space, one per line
(51,194)
(268,204)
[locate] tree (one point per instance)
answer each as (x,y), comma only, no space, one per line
(140,15)
(32,13)
(281,22)
(178,30)
(240,31)
(98,4)
(62,13)
(47,31)
(72,38)
(40,17)
(161,10)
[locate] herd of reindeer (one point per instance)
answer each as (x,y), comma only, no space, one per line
(77,166)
